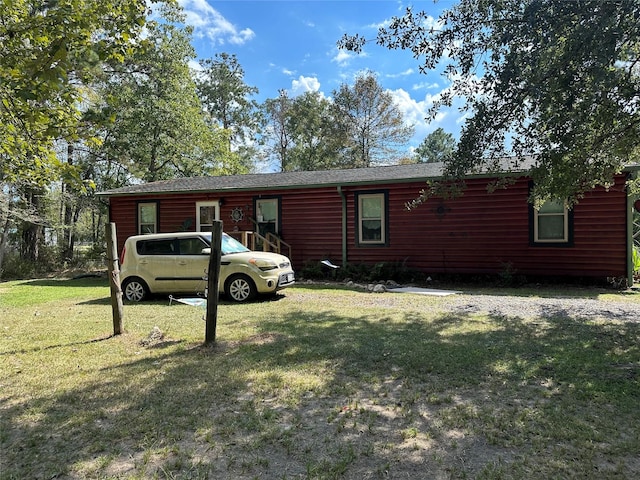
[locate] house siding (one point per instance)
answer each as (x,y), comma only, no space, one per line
(477,233)
(312,224)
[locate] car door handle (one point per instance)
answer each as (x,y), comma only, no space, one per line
(182,262)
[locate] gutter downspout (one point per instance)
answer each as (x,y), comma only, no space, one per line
(630,207)
(344,225)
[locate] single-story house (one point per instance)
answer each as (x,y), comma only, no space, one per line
(358,216)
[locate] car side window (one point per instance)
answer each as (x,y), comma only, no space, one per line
(191,246)
(156,247)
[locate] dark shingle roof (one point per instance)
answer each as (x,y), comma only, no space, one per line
(264,181)
(283,180)
(261,181)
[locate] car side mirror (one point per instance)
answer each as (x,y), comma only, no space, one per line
(206,251)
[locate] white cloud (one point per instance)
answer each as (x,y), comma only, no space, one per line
(195,66)
(377,26)
(408,71)
(342,58)
(415,112)
(207,22)
(425,86)
(304,84)
(286,71)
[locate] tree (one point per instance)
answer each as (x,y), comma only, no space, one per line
(374,124)
(226,99)
(438,146)
(317,136)
(305,132)
(552,79)
(158,129)
(51,51)
(277,112)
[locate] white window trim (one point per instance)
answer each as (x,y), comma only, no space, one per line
(383,220)
(215,204)
(565,226)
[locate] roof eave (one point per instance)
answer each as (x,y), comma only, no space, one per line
(357,183)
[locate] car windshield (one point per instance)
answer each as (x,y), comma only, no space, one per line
(229,244)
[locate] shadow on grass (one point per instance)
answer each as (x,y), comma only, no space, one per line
(68,282)
(541,389)
(165,300)
(54,347)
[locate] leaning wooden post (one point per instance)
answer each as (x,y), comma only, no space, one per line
(114,278)
(213,276)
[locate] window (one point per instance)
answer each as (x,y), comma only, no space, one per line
(267,218)
(156,247)
(206,213)
(371,218)
(147,218)
(191,246)
(552,223)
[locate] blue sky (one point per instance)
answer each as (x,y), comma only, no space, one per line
(291,45)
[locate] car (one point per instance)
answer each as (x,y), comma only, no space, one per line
(177,263)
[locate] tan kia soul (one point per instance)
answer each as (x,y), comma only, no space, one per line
(177,263)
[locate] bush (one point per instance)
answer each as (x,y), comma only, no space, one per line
(13,266)
(88,258)
(362,272)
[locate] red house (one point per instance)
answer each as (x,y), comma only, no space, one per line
(358,216)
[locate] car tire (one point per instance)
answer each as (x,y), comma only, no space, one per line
(135,289)
(240,288)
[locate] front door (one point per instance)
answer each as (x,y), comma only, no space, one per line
(267,217)
(206,213)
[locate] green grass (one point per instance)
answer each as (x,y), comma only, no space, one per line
(317,383)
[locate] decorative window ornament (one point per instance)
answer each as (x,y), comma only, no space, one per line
(441,210)
(237,214)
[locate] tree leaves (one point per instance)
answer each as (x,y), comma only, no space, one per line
(438,146)
(375,126)
(552,79)
(48,47)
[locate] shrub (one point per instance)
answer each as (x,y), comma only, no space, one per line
(363,272)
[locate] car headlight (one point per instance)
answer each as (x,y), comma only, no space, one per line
(264,264)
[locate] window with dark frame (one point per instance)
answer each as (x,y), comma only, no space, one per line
(551,224)
(147,217)
(371,218)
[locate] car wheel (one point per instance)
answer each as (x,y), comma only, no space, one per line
(135,290)
(240,288)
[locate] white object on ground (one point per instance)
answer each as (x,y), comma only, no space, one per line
(423,291)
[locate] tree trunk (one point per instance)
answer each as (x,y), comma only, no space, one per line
(68,237)
(4,239)
(66,252)
(32,232)
(32,236)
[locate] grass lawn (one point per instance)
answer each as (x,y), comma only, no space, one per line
(317,383)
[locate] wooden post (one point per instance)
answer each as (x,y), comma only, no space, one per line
(213,276)
(114,278)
